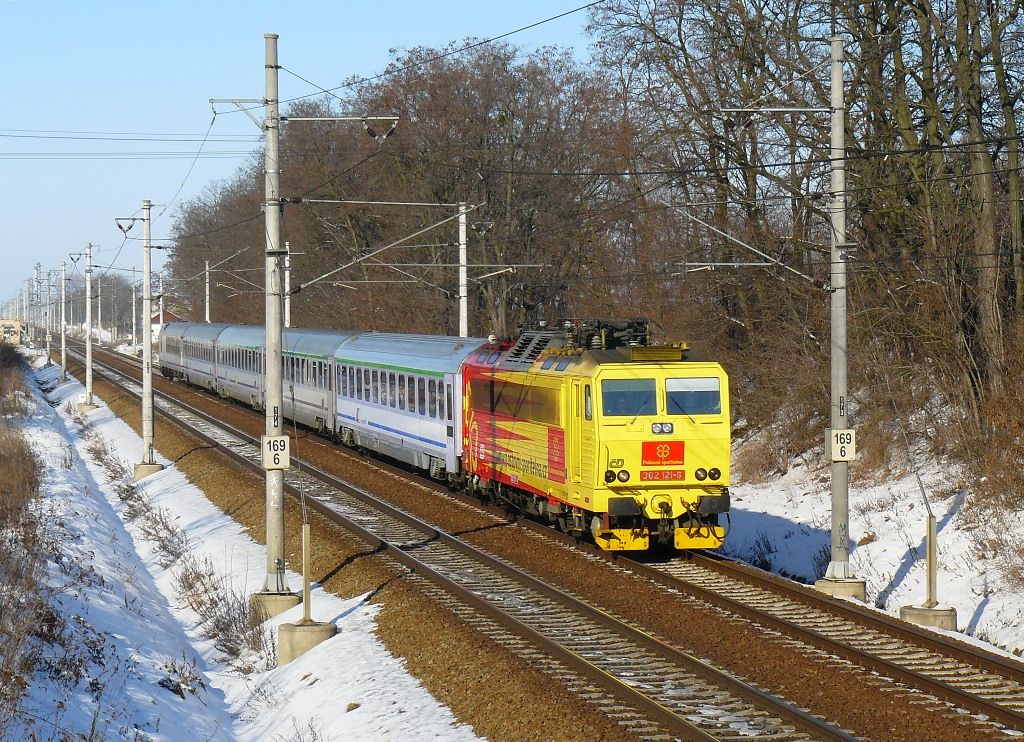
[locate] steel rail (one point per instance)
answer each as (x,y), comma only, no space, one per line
(661,715)
(950,647)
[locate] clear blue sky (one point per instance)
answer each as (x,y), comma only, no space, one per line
(109,70)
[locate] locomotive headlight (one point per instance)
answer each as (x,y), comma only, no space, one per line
(623,476)
(702,474)
(715,474)
(609,476)
(656,428)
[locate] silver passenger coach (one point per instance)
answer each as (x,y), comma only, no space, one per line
(397,394)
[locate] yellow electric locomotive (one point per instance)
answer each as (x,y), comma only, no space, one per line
(593,427)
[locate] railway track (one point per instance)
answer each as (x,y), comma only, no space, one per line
(979,681)
(648,686)
(986,688)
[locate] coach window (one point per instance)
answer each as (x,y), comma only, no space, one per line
(432,387)
(412,394)
(352,380)
(421,395)
(392,389)
(376,386)
(440,399)
(359,384)
(401,391)
(448,394)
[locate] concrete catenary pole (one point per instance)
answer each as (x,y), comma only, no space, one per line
(148,465)
(287,284)
(463,281)
(99,311)
(276,583)
(47,315)
(87,403)
(63,321)
(38,303)
(839,577)
(160,322)
(207,272)
(135,312)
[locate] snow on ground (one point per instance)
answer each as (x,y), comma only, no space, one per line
(146,666)
(114,590)
(784,526)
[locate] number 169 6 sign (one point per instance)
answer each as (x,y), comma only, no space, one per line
(843,445)
(275,452)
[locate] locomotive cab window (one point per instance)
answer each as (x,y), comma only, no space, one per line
(628,397)
(701,396)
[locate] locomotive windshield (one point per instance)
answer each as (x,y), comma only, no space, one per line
(697,396)
(629,397)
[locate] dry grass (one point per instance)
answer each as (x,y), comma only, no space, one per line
(13,393)
(23,606)
(227,617)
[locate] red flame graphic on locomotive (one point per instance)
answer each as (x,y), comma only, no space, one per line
(510,429)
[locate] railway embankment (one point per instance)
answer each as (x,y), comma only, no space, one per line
(461,667)
(897,719)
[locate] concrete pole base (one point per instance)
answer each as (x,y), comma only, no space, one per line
(144,470)
(295,639)
(274,604)
(84,407)
(851,587)
(939,618)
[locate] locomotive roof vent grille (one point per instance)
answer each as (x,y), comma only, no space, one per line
(530,345)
